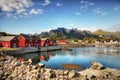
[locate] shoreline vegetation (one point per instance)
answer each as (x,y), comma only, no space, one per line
(13,69)
(68,46)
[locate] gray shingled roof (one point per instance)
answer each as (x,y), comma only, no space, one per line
(6,38)
(30,37)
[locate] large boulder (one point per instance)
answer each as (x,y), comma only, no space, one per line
(41,65)
(72,74)
(2,58)
(96,66)
(1,73)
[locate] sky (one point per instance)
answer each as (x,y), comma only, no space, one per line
(35,16)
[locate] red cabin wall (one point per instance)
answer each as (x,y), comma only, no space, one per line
(5,44)
(42,43)
(21,42)
(0,44)
(51,43)
(61,41)
(46,42)
(14,43)
(32,43)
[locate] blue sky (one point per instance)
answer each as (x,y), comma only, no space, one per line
(35,16)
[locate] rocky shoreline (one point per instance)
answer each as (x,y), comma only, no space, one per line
(13,69)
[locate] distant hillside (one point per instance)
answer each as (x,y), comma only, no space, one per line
(107,34)
(6,34)
(63,33)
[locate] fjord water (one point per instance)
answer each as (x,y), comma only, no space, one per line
(109,57)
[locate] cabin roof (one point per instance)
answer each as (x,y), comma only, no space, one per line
(43,38)
(30,37)
(6,38)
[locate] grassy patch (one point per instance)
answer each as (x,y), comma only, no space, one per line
(5,49)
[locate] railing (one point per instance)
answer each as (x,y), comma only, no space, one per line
(32,49)
(50,48)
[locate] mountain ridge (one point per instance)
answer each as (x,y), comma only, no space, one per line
(74,33)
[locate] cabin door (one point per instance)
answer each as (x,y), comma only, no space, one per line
(29,45)
(14,45)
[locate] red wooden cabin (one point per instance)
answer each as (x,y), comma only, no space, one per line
(29,41)
(9,41)
(46,42)
(61,41)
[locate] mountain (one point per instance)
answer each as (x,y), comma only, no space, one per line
(6,34)
(63,33)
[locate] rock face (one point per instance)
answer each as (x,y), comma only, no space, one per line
(13,69)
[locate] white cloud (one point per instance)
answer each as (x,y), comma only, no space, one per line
(15,17)
(92,29)
(36,11)
(78,13)
(91,4)
(114,28)
(25,13)
(14,5)
(104,13)
(58,4)
(81,2)
(117,8)
(86,4)
(99,12)
(20,16)
(72,24)
(19,11)
(46,2)
(8,15)
(19,8)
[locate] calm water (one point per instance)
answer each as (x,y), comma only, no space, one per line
(83,56)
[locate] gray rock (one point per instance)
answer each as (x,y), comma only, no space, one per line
(13,61)
(72,74)
(1,68)
(2,58)
(17,63)
(48,74)
(96,66)
(59,72)
(66,72)
(41,65)
(93,76)
(29,61)
(1,73)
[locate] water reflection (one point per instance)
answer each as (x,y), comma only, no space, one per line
(109,57)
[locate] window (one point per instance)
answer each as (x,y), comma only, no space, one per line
(29,45)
